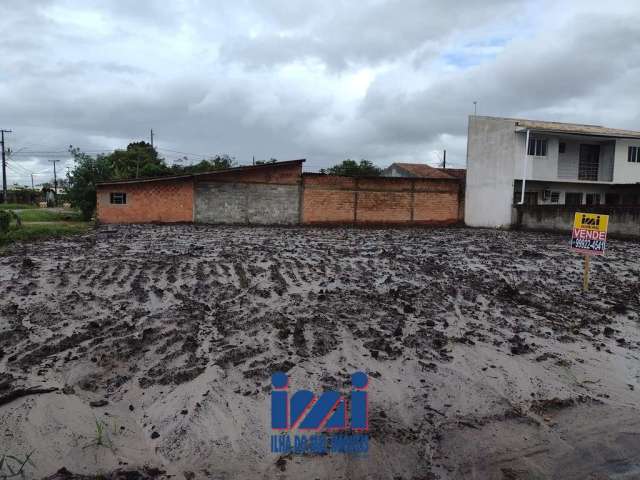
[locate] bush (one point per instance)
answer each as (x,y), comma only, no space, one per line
(5,220)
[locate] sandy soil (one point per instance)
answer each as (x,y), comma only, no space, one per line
(485,358)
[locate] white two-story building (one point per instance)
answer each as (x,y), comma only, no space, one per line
(557,163)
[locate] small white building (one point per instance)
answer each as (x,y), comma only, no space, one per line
(558,163)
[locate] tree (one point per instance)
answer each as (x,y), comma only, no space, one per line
(86,173)
(140,159)
(351,168)
(219,162)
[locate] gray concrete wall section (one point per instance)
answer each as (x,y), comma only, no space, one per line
(217,202)
(622,221)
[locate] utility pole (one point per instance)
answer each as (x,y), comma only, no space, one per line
(152,138)
(4,167)
(475,108)
(55,182)
(32,181)
(444,159)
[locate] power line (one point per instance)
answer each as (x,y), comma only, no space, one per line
(19,175)
(20,167)
(183,153)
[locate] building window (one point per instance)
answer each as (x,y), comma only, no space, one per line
(573,198)
(634,155)
(118,198)
(562,147)
(555,197)
(537,147)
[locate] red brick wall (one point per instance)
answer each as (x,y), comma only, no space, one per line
(286,174)
(383,207)
(157,201)
(328,199)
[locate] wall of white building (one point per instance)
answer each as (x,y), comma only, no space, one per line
(623,170)
(491,149)
(544,168)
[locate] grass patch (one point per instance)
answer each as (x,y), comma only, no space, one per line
(42,230)
(46,215)
(14,206)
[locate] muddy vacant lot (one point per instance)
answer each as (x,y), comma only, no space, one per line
(150,349)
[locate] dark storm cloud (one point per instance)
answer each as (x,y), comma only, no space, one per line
(385,80)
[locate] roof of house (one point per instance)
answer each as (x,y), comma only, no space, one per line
(456,172)
(192,175)
(577,129)
(421,170)
(571,128)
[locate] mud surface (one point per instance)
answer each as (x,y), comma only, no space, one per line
(486,360)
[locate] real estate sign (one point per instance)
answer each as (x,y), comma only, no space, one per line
(589,235)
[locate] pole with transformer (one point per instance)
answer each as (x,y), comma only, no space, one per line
(4,166)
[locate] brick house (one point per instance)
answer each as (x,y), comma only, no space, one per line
(266,193)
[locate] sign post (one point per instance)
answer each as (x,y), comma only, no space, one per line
(589,237)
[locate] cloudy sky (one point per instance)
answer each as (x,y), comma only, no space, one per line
(386,80)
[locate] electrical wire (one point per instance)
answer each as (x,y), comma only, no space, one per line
(18,167)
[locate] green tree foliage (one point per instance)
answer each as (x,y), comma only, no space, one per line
(139,160)
(219,162)
(352,168)
(86,173)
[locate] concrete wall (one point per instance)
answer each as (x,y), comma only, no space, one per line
(493,148)
(266,195)
(158,201)
(334,200)
(622,220)
(253,203)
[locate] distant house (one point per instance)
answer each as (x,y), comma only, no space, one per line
(421,170)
